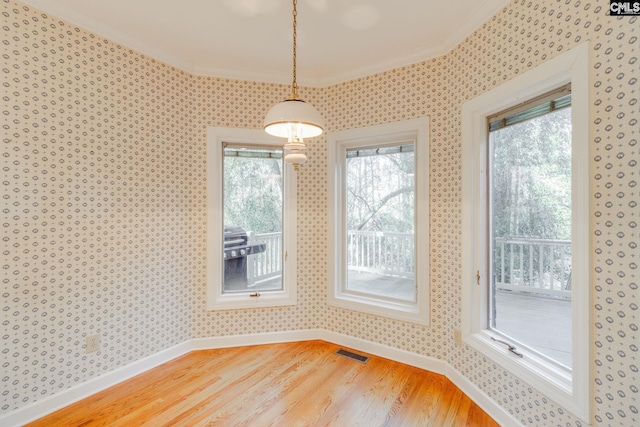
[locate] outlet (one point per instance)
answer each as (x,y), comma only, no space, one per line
(457,337)
(93,343)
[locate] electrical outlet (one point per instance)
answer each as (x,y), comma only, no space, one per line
(457,337)
(93,343)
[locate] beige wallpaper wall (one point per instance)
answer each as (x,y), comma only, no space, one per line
(104,209)
(220,102)
(523,35)
(98,190)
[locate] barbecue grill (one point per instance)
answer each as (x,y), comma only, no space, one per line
(237,247)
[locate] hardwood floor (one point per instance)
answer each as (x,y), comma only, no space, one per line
(294,384)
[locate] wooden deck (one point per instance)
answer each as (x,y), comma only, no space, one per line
(389,286)
(544,323)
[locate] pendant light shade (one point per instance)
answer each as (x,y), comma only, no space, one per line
(294,119)
(293,113)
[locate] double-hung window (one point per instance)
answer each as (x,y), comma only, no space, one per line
(525,228)
(251,200)
(378,218)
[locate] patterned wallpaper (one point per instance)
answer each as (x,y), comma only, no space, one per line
(104,207)
(98,186)
(524,34)
(220,102)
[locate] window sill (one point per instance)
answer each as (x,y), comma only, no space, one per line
(403,311)
(552,381)
(245,300)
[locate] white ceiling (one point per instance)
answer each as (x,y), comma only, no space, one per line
(338,40)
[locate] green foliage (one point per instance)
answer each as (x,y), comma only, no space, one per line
(380,194)
(253,193)
(532,177)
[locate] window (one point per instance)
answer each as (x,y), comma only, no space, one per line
(529,223)
(378,179)
(252,205)
(525,228)
(251,227)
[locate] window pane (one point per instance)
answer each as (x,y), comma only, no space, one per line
(380,221)
(253,206)
(531,234)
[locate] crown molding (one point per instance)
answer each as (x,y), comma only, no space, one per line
(477,18)
(107,31)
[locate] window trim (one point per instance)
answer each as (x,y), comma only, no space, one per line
(216,300)
(572,391)
(416,130)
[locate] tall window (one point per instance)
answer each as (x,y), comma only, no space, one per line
(529,164)
(380,249)
(251,228)
(376,247)
(525,247)
(252,218)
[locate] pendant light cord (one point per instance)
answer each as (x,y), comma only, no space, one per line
(294,84)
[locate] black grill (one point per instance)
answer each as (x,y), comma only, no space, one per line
(236,250)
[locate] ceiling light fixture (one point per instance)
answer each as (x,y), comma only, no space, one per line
(294,119)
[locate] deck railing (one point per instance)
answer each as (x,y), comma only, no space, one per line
(268,264)
(533,265)
(376,252)
(538,266)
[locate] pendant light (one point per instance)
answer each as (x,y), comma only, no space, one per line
(294,119)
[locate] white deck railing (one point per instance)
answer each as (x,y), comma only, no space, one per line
(522,265)
(376,252)
(533,265)
(268,264)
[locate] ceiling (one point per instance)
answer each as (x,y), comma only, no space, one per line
(338,40)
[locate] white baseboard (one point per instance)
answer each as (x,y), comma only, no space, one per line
(64,398)
(253,339)
(480,398)
(71,395)
(423,362)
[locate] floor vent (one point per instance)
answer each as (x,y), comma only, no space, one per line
(351,355)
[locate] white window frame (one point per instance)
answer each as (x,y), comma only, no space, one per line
(570,390)
(216,299)
(416,130)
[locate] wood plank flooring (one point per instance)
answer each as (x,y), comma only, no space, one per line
(293,384)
